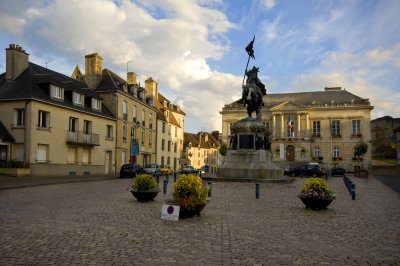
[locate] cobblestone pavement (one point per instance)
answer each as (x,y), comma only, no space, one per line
(100,223)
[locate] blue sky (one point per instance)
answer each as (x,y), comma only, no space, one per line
(195,49)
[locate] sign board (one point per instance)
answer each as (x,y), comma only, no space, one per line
(170,212)
(134,148)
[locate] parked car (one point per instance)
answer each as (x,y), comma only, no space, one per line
(289,170)
(130,170)
(310,170)
(188,169)
(152,169)
(338,170)
(165,169)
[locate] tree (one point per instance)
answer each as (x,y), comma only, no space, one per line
(360,148)
(223,149)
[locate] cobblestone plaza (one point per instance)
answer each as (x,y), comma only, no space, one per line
(100,223)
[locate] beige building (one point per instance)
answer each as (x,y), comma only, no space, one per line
(170,124)
(201,150)
(319,126)
(57,125)
(133,107)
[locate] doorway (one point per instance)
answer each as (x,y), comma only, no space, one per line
(290,153)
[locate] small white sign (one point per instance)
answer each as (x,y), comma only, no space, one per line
(170,212)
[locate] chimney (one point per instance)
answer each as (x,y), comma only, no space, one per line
(16,61)
(151,87)
(131,78)
(93,70)
(333,88)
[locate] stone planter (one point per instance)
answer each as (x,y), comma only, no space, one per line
(188,213)
(145,196)
(316,204)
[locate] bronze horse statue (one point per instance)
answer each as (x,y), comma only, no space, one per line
(252,93)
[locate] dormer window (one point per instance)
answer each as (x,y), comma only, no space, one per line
(78,98)
(96,104)
(57,92)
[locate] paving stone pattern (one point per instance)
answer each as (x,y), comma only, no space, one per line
(100,223)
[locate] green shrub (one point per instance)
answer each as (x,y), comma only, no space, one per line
(188,185)
(316,184)
(144,182)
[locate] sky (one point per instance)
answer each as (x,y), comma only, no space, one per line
(195,50)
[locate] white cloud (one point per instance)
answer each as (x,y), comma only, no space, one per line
(269,4)
(168,40)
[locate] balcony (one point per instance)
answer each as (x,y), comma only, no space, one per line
(80,138)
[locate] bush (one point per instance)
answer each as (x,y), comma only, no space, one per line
(188,185)
(144,182)
(316,188)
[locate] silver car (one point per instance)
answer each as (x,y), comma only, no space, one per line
(152,169)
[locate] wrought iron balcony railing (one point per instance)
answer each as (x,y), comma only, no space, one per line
(81,138)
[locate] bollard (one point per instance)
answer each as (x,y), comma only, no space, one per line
(158,179)
(257,190)
(209,191)
(174,177)
(165,186)
(167,178)
(353,191)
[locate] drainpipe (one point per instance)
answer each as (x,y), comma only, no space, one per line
(116,131)
(25,131)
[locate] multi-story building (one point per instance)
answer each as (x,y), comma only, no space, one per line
(170,124)
(134,109)
(56,125)
(201,150)
(322,125)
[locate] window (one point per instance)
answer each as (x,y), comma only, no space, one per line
(169,145)
(19,151)
(134,111)
(143,118)
(162,144)
(356,127)
(87,127)
(109,133)
(317,152)
(57,92)
(290,129)
(78,98)
(42,153)
(124,110)
(169,129)
(3,152)
(175,147)
(335,128)
(19,117)
(316,129)
(85,156)
(163,127)
(71,155)
(44,119)
(95,104)
(142,136)
(168,161)
(150,120)
(150,139)
(336,152)
(176,132)
(124,132)
(73,124)
(162,160)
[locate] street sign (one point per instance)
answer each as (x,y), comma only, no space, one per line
(170,212)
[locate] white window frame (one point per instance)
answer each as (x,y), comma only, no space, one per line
(124,110)
(19,119)
(57,92)
(317,152)
(316,129)
(124,130)
(77,98)
(356,127)
(96,104)
(109,130)
(42,153)
(336,152)
(134,113)
(43,119)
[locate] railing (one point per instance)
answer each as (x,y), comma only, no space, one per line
(81,138)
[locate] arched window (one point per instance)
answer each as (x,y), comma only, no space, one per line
(317,152)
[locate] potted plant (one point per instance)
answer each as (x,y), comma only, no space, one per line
(316,194)
(360,149)
(190,195)
(145,187)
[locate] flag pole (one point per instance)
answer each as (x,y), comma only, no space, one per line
(248,60)
(250,51)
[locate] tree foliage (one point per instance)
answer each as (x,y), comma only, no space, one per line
(223,149)
(360,148)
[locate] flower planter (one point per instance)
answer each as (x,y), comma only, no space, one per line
(144,196)
(316,204)
(188,213)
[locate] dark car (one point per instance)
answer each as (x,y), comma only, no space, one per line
(289,170)
(188,169)
(130,170)
(338,170)
(310,170)
(152,169)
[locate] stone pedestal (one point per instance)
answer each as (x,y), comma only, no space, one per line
(248,159)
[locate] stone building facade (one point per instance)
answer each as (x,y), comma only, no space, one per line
(321,126)
(383,137)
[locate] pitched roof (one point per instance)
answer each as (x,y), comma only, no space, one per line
(33,83)
(204,139)
(308,99)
